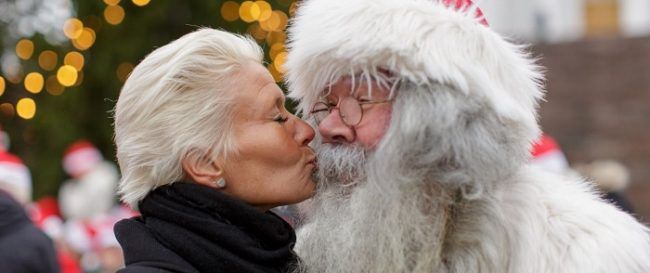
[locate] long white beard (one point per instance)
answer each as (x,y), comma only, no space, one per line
(361,224)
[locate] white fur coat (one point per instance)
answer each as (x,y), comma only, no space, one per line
(540,222)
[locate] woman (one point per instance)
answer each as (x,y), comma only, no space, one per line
(206,148)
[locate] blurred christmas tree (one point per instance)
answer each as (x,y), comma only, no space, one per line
(64,61)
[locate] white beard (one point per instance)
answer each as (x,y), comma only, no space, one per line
(360,224)
(339,166)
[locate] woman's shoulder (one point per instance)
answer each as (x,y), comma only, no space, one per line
(143,253)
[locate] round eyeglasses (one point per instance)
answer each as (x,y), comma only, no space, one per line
(350,110)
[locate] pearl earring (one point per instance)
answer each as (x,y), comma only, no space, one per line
(220,183)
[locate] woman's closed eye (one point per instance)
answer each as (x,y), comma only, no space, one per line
(281,119)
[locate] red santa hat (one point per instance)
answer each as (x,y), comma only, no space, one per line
(548,155)
(15,177)
(80,157)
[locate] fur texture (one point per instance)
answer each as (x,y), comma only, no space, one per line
(447,189)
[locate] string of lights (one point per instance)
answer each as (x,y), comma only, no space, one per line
(265,24)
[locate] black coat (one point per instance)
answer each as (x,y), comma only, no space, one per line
(23,247)
(186,227)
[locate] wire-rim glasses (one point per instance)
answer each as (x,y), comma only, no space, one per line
(350,110)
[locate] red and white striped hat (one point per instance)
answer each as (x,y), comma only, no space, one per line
(548,155)
(15,176)
(80,157)
(465,4)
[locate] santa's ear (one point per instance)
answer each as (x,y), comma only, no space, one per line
(200,168)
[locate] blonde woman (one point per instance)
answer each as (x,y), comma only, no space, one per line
(206,148)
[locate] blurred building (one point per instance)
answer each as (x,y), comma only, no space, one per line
(553,21)
(596,54)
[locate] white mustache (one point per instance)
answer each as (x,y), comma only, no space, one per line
(339,164)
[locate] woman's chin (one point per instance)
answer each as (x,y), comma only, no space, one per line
(307,191)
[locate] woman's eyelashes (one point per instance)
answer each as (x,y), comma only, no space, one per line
(281,118)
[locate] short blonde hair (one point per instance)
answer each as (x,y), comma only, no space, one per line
(176,102)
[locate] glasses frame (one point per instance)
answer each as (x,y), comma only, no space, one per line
(329,107)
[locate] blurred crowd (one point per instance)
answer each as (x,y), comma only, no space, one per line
(79,222)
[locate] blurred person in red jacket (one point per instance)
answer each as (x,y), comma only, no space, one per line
(45,214)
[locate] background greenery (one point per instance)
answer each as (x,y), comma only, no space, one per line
(84,111)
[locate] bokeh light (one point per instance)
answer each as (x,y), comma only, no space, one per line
(24,49)
(111,2)
(72,28)
(75,59)
(114,14)
(48,60)
(272,23)
(249,11)
(34,82)
(80,78)
(67,75)
(265,10)
(85,40)
(257,32)
(140,3)
(123,71)
(276,37)
(7,109)
(2,85)
(53,86)
(276,22)
(277,76)
(230,11)
(279,60)
(275,49)
(26,108)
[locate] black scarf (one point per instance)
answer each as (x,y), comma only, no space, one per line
(217,233)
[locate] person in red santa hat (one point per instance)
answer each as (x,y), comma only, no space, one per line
(92,187)
(15,177)
(88,203)
(547,155)
(23,247)
(426,118)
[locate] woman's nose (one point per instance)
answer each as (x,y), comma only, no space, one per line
(334,130)
(304,134)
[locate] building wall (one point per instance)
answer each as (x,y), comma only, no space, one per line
(556,21)
(536,20)
(598,105)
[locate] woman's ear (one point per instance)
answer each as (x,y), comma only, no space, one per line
(201,169)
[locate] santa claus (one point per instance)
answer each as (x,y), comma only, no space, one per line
(426,118)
